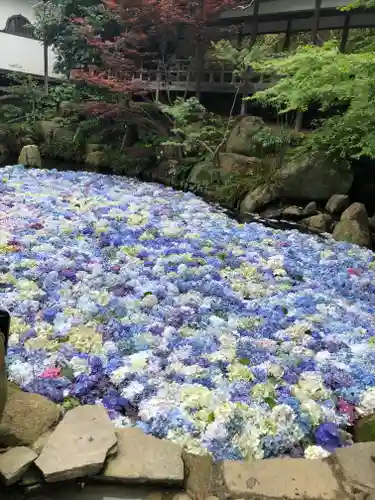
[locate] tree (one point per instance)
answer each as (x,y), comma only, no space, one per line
(147,28)
(335,81)
(54,27)
(104,44)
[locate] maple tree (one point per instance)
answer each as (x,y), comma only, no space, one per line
(147,26)
(145,30)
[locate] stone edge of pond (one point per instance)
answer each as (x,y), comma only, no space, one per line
(84,448)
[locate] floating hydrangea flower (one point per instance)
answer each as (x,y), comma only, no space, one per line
(231,339)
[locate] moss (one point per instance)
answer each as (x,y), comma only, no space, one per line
(365,429)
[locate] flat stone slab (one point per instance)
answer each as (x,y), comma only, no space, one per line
(14,463)
(144,458)
(357,466)
(79,445)
(282,478)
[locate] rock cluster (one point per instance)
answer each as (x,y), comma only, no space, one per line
(85,445)
(347,222)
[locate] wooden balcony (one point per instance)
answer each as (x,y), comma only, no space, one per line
(181,77)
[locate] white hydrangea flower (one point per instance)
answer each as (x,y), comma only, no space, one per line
(20,373)
(367,402)
(313,410)
(314,452)
(132,390)
(310,386)
(79,366)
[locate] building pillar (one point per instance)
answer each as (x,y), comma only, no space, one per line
(345,33)
(253,38)
(288,35)
(315,26)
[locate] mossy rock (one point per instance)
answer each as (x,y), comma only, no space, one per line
(203,174)
(245,138)
(96,159)
(364,430)
(354,232)
(30,156)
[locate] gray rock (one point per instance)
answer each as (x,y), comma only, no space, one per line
(14,463)
(30,156)
(144,458)
(356,211)
(292,478)
(271,212)
(292,212)
(354,232)
(242,139)
(96,159)
(258,198)
(357,466)
(198,474)
(320,222)
(354,226)
(315,178)
(41,442)
(337,203)
(79,446)
(203,174)
(240,164)
(310,209)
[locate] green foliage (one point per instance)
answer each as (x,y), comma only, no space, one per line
(324,76)
(198,132)
(130,161)
(240,60)
(53,23)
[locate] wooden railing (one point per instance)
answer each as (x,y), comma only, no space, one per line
(181,76)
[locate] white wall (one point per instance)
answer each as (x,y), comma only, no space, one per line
(18,53)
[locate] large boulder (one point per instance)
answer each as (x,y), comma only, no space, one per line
(26,417)
(354,226)
(314,178)
(30,156)
(203,174)
(352,232)
(233,163)
(244,138)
